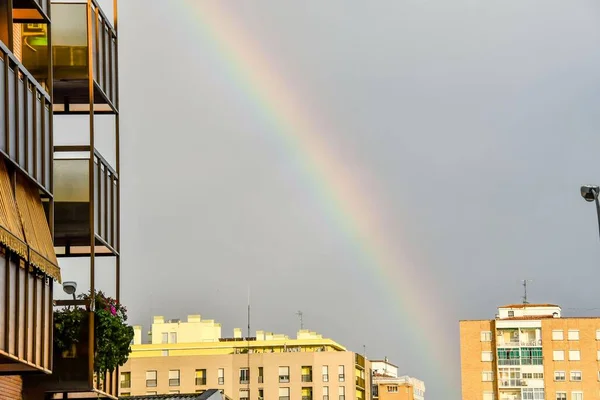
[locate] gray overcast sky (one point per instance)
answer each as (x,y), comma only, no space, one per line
(467,125)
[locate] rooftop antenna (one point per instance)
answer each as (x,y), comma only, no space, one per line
(525,290)
(300,315)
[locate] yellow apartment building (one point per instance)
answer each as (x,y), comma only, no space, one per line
(192,356)
(387,385)
(530,351)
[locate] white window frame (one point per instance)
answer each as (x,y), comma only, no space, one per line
(488,395)
(562,374)
(486,336)
(575,374)
(563,395)
(487,356)
(578,395)
(558,334)
(558,355)
(574,355)
(487,376)
(573,334)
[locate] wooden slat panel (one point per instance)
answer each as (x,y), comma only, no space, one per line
(11,231)
(35,226)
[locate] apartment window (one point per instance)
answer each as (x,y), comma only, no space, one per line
(200,377)
(511,313)
(306,374)
(532,375)
(174,377)
(244,394)
(244,375)
(558,355)
(260,375)
(325,392)
(284,393)
(341,393)
(486,356)
(341,375)
(261,394)
(164,337)
(325,373)
(573,334)
(561,395)
(574,355)
(392,389)
(173,337)
(531,356)
(221,376)
(533,394)
(557,335)
(306,393)
(576,395)
(598,334)
(559,376)
(576,376)
(151,378)
(487,376)
(486,336)
(284,374)
(125,380)
(489,395)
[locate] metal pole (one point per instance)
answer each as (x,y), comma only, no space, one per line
(598,214)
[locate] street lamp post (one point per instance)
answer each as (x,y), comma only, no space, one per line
(590,193)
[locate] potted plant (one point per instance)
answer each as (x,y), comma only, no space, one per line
(112,334)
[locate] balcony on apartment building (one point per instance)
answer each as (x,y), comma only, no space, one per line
(29,264)
(512,395)
(73,50)
(518,337)
(25,137)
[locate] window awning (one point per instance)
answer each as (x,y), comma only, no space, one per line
(35,227)
(11,229)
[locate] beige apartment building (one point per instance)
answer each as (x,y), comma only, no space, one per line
(192,356)
(530,351)
(387,385)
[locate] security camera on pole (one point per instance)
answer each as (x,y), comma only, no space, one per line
(590,193)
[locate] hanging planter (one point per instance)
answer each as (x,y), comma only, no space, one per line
(112,334)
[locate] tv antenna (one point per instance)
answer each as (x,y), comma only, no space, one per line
(525,281)
(301,315)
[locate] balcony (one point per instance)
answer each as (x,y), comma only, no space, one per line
(25,111)
(31,10)
(72,233)
(512,382)
(25,288)
(360,382)
(73,51)
(73,372)
(359,360)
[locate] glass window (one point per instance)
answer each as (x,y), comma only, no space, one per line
(558,355)
(576,376)
(557,335)
(574,355)
(573,334)
(559,376)
(486,336)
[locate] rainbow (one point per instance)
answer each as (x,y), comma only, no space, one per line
(255,76)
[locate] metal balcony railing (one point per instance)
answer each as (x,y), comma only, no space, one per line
(25,113)
(512,382)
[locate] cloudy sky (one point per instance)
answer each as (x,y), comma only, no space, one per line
(387,167)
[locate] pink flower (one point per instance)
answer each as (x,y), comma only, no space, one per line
(113,310)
